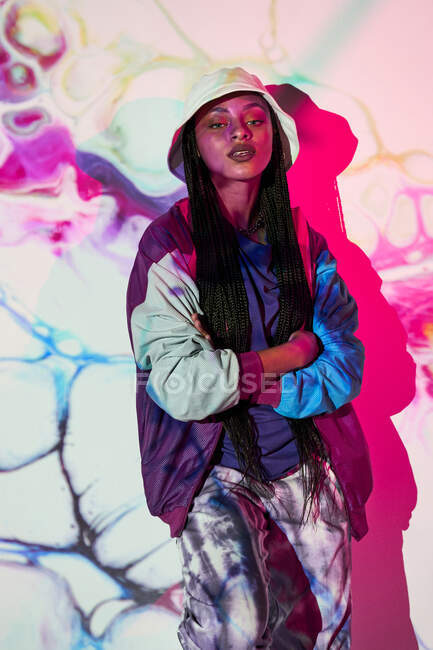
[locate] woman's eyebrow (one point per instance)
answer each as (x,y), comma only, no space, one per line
(221,109)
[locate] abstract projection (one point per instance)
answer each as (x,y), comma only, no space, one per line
(91,93)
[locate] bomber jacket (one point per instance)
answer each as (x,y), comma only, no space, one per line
(182,381)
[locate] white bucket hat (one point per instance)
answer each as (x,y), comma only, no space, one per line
(219,83)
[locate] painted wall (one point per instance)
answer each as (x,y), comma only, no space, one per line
(90,94)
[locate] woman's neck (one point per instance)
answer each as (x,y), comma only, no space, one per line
(237,199)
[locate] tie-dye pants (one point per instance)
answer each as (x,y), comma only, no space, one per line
(255,577)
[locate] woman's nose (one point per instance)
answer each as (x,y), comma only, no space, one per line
(240,131)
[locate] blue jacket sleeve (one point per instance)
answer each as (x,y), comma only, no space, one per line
(334,378)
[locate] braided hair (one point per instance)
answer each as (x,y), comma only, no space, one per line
(223,299)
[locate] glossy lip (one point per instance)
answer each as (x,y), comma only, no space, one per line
(248,148)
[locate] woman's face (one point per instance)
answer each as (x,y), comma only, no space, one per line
(234,136)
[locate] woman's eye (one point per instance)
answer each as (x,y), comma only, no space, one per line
(216,125)
(257,121)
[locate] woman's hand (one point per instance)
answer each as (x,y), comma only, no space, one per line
(300,350)
(308,345)
(197,324)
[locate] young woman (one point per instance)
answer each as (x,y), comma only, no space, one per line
(242,333)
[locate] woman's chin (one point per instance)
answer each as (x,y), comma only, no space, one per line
(241,172)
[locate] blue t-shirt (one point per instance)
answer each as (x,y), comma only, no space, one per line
(276,441)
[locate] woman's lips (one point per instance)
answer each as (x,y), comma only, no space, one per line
(241,156)
(242,152)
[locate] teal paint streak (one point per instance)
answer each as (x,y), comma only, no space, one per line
(341,28)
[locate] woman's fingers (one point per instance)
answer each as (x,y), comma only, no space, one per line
(197,324)
(196,320)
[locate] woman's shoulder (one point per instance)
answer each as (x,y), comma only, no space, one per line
(317,242)
(166,246)
(312,243)
(168,232)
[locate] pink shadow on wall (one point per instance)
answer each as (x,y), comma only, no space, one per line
(380,597)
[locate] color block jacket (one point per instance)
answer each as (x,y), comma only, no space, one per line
(182,381)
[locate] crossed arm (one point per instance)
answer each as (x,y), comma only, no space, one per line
(191,380)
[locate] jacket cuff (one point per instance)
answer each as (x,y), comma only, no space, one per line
(254,385)
(270,395)
(250,375)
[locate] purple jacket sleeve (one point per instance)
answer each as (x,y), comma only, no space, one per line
(250,375)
